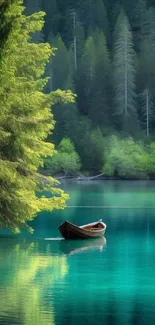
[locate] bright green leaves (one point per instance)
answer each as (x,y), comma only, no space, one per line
(125,158)
(65,160)
(25,122)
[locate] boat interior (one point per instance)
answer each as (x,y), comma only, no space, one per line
(96,227)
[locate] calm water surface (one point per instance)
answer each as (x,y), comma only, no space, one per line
(110,281)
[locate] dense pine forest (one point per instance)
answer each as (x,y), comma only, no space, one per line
(104,53)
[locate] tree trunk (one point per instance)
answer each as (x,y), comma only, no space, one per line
(75,42)
(126,78)
(147,113)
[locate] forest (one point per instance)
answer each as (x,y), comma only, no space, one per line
(77,162)
(104,53)
(77,97)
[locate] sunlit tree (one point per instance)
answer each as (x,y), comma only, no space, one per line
(25,122)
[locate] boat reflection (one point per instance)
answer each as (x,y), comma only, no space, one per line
(71,247)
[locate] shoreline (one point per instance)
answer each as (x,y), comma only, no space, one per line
(103,179)
(99,177)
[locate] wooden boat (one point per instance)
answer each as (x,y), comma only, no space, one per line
(91,230)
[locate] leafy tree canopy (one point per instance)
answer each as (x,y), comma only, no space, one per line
(65,160)
(25,122)
(125,158)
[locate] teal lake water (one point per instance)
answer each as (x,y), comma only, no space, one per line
(109,281)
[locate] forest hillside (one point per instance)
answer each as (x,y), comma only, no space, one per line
(104,53)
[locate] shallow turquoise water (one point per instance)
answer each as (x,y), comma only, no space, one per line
(111,281)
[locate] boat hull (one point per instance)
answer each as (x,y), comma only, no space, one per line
(71,231)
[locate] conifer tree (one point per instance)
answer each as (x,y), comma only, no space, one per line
(124,71)
(85,76)
(146,82)
(93,15)
(58,68)
(86,11)
(147,110)
(89,58)
(53,17)
(149,26)
(113,13)
(74,35)
(136,13)
(25,122)
(5,22)
(101,105)
(102,19)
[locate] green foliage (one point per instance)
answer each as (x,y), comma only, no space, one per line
(53,17)
(66,146)
(106,55)
(125,158)
(5,21)
(146,83)
(124,69)
(65,160)
(85,76)
(136,12)
(58,68)
(93,151)
(101,99)
(90,144)
(101,19)
(93,14)
(25,122)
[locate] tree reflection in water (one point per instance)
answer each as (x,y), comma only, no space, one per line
(27,273)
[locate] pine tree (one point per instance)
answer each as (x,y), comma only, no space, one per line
(136,12)
(114,14)
(52,19)
(70,79)
(80,39)
(137,18)
(85,76)
(88,60)
(146,74)
(5,22)
(101,19)
(59,64)
(148,30)
(93,15)
(74,35)
(101,105)
(118,26)
(124,70)
(86,11)
(146,82)
(147,110)
(74,40)
(25,122)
